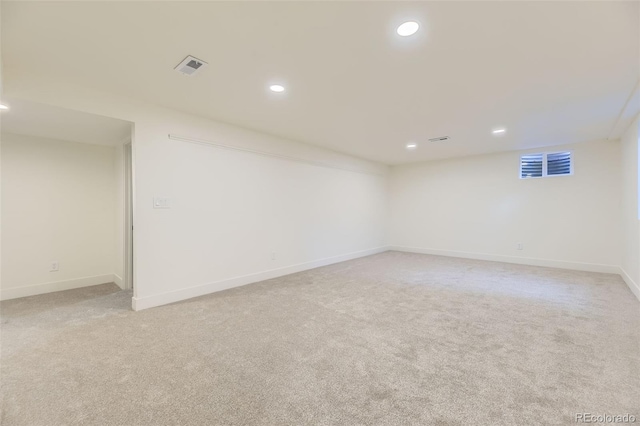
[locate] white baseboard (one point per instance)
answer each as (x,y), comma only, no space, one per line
(32,290)
(118,280)
(139,303)
(578,266)
(633,286)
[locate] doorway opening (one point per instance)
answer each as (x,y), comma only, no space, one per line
(67,200)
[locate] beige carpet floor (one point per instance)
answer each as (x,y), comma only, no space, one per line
(390,339)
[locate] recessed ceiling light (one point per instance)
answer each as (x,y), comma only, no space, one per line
(412,145)
(498,131)
(276,88)
(408,28)
(2,106)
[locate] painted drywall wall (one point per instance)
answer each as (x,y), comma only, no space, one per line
(57,205)
(237,216)
(629,208)
(231,209)
(478,207)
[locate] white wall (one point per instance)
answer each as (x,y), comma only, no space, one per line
(57,205)
(233,210)
(630,215)
(478,207)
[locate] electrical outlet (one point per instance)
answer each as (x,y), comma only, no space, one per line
(273,255)
(55,266)
(519,246)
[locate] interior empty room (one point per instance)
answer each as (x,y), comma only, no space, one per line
(319,213)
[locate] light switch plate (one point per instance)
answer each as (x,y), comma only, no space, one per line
(161,203)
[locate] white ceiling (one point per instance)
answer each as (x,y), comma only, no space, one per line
(46,121)
(551,72)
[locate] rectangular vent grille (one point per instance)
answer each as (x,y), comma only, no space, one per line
(440,139)
(190,65)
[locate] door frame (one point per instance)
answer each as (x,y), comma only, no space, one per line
(128,215)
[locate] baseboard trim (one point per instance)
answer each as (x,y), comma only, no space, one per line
(140,303)
(633,286)
(118,280)
(33,290)
(532,261)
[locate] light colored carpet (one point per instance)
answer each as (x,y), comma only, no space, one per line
(390,339)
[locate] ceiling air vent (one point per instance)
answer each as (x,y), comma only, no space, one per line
(440,139)
(190,65)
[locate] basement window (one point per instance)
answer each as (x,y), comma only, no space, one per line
(546,164)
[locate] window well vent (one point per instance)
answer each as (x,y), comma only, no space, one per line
(531,165)
(190,65)
(559,163)
(546,164)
